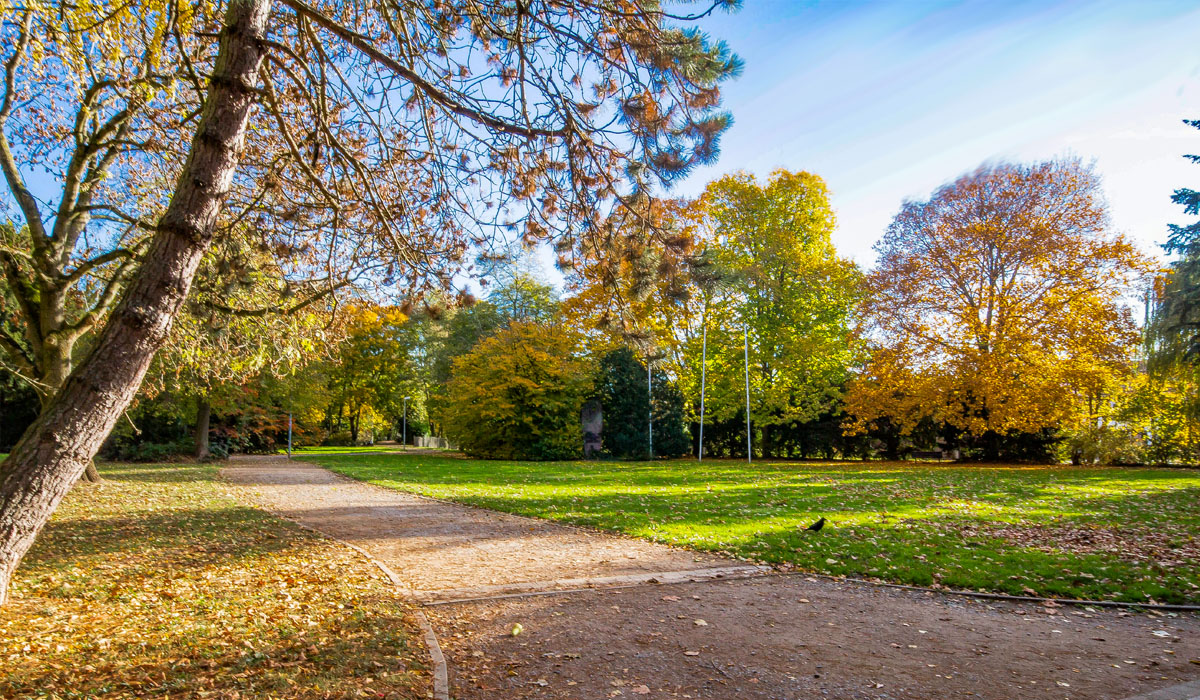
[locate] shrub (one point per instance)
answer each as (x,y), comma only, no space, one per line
(341,438)
(518,395)
(151,451)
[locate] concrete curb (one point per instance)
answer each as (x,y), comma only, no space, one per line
(1183,691)
(510,590)
(441,677)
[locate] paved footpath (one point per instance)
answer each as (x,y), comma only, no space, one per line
(604,616)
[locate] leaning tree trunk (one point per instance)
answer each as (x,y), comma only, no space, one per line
(56,367)
(54,450)
(203,417)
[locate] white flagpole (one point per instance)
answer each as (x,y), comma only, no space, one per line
(746,338)
(703,377)
(650,412)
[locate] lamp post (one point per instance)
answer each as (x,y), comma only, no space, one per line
(404,435)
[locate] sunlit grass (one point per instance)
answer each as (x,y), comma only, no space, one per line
(357,449)
(156,582)
(912,523)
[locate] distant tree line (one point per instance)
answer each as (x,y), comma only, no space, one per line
(996,325)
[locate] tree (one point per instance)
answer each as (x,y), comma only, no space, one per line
(782,284)
(630,399)
(636,288)
(373,369)
(996,306)
(671,438)
(377,140)
(1177,316)
(243,318)
(621,387)
(524,299)
(518,395)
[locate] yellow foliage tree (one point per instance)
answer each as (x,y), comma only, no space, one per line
(997,305)
(518,395)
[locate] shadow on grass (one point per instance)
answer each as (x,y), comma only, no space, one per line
(154,583)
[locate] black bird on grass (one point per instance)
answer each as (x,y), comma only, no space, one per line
(816,527)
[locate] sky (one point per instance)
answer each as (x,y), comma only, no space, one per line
(889,100)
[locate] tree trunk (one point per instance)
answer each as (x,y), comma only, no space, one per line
(56,449)
(55,368)
(203,416)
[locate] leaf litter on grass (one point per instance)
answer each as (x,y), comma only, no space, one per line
(157,582)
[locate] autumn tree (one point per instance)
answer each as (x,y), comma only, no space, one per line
(373,369)
(636,289)
(781,283)
(387,137)
(996,305)
(514,296)
(518,395)
(243,319)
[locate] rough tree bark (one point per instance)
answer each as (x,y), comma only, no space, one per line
(203,415)
(53,453)
(46,394)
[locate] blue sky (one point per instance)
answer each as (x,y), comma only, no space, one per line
(888,100)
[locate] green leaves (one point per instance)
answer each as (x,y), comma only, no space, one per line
(778,276)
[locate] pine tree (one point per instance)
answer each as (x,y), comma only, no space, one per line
(621,388)
(671,438)
(1177,320)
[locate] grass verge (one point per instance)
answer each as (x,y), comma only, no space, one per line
(156,582)
(1090,533)
(356,449)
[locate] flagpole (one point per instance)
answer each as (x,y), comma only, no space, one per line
(746,338)
(703,377)
(650,411)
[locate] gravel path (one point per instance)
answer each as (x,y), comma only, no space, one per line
(769,637)
(445,550)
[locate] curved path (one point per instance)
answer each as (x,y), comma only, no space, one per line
(657,622)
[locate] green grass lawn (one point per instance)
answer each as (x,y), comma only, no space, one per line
(156,582)
(357,449)
(1097,533)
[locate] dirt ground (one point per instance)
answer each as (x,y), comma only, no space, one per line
(770,637)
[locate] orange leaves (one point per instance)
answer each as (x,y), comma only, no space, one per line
(998,302)
(158,583)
